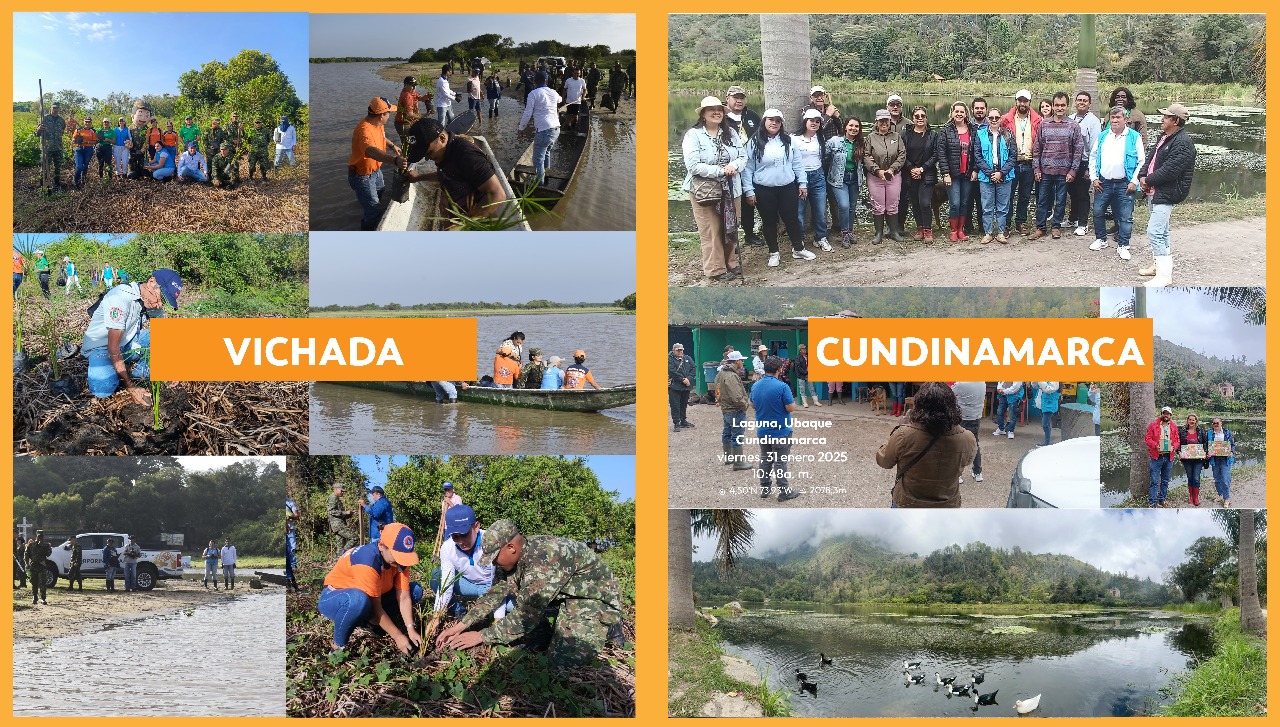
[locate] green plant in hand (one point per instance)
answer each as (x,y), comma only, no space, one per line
(513,212)
(155,405)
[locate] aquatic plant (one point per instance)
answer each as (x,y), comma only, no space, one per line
(511,213)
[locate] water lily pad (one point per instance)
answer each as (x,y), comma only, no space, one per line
(1010,629)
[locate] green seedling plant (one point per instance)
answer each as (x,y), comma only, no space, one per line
(155,405)
(512,213)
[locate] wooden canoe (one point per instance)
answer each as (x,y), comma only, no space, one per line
(585,400)
(566,153)
(421,210)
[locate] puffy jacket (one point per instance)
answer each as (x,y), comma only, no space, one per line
(701,153)
(1002,157)
(931,481)
(949,149)
(732,394)
(1175,162)
(930,160)
(1009,124)
(884,151)
(1153,438)
(835,158)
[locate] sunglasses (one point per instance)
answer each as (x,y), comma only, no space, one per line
(918,116)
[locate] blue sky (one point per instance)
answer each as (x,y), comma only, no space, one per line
(83,50)
(616,472)
(1194,320)
(353,268)
(398,36)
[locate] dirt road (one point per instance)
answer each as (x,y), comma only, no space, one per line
(849,476)
(1230,253)
(74,612)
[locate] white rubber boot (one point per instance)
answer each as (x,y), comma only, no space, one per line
(1164,272)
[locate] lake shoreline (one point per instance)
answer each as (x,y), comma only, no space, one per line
(1231,683)
(704,681)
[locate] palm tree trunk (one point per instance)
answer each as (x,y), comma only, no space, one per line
(1251,618)
(784,52)
(1087,54)
(680,612)
(1142,404)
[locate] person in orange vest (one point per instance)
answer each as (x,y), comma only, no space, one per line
(84,139)
(19,271)
(506,367)
(578,376)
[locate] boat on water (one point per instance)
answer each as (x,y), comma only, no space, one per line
(421,208)
(566,154)
(584,400)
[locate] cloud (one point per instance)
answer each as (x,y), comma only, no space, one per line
(80,26)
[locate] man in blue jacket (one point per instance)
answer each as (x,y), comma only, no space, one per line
(380,513)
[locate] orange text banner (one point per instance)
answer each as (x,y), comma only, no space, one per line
(313,349)
(980,349)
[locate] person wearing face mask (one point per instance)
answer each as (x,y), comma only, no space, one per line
(542,573)
(1162,441)
(115,339)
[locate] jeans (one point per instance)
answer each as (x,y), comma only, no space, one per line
(1022,180)
(1161,469)
(121,156)
(898,392)
(367,188)
(958,196)
(445,391)
(103,379)
(735,428)
(1007,407)
(1115,192)
(17,280)
(445,113)
(84,155)
(130,575)
(1221,467)
(1158,229)
(1193,468)
(775,202)
(1046,423)
(1078,191)
(464,592)
(474,104)
(503,386)
(44,284)
(228,575)
(346,608)
(678,402)
(194,174)
(919,193)
(972,425)
(846,198)
(773,464)
(211,573)
(110,573)
(282,153)
(542,142)
(804,386)
(1053,197)
(995,206)
(493,104)
(162,173)
(816,203)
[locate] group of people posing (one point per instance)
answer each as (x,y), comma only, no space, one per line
(1197,447)
(991,166)
(146,151)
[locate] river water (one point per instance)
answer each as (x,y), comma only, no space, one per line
(1085,664)
(601,197)
(218,659)
(1230,143)
(346,420)
(1251,448)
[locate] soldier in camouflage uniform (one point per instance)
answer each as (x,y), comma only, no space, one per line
(339,526)
(73,568)
(236,135)
(259,148)
(214,137)
(138,154)
(225,172)
(37,555)
(51,129)
(548,576)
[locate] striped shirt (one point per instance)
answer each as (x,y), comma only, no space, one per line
(1058,147)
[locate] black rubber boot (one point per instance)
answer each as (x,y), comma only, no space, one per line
(878,221)
(895,231)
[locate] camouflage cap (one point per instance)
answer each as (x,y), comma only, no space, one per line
(496,536)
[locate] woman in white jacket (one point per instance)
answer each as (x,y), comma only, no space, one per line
(713,150)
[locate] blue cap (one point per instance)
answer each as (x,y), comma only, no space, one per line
(458,520)
(540,77)
(399,538)
(448,486)
(170,285)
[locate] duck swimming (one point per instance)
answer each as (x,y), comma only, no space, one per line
(977,678)
(985,699)
(1026,706)
(943,680)
(910,665)
(801,676)
(822,659)
(915,678)
(809,687)
(961,691)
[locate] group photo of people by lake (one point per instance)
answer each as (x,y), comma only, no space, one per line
(502,122)
(844,150)
(201,137)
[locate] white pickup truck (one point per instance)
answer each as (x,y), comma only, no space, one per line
(153,566)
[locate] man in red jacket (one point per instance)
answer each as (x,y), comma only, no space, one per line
(1024,123)
(1162,443)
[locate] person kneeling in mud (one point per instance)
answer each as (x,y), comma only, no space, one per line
(544,574)
(370,586)
(115,337)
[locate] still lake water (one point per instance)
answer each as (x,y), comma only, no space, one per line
(350,420)
(602,196)
(224,659)
(1230,142)
(1251,448)
(1086,664)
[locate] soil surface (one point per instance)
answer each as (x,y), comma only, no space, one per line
(76,612)
(1228,253)
(699,478)
(734,705)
